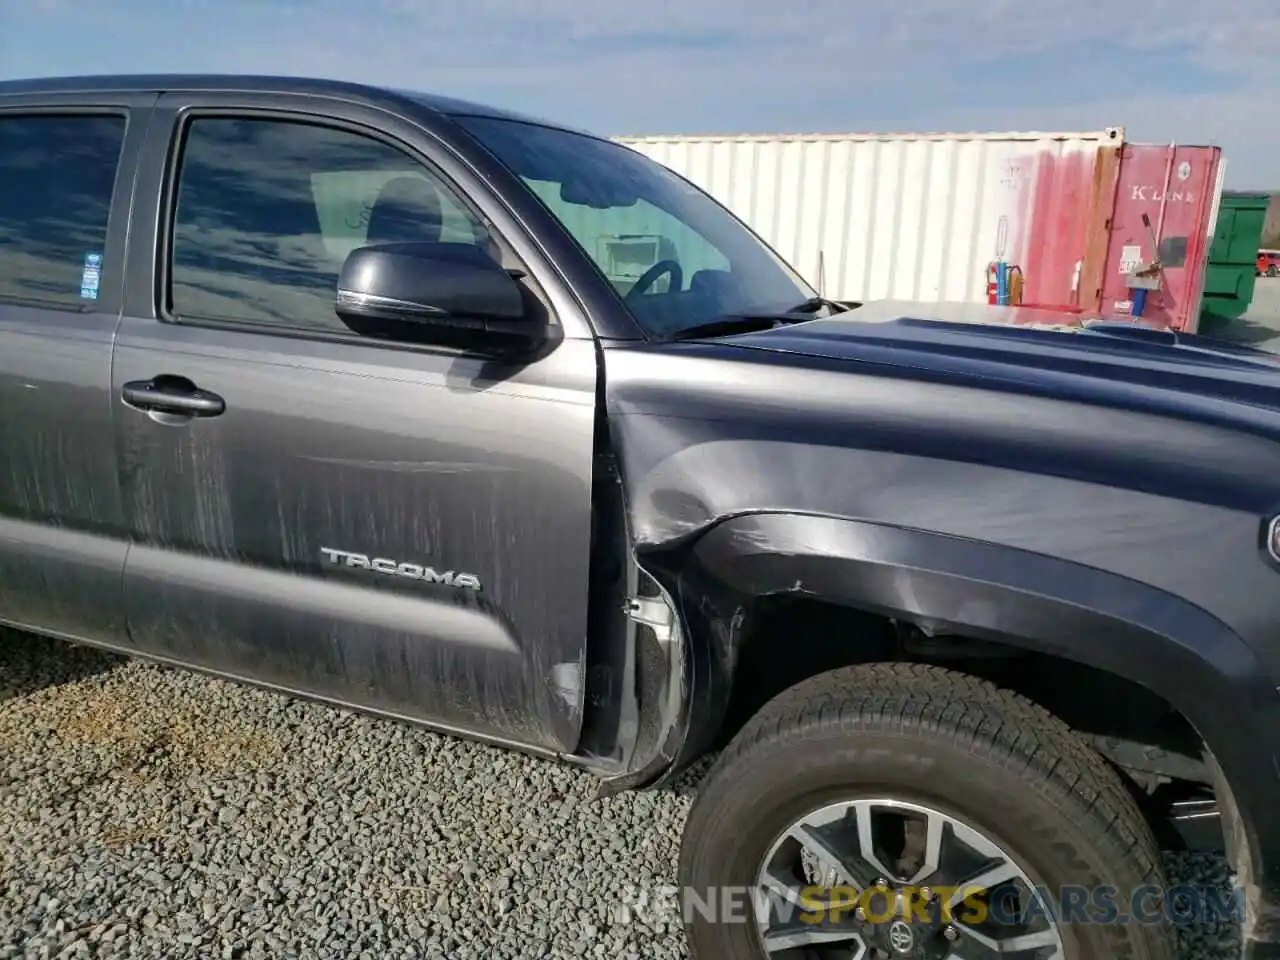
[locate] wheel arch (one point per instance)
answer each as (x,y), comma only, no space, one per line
(942,584)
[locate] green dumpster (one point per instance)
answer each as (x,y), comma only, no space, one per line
(1229,274)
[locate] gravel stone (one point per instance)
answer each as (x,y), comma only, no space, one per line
(148,813)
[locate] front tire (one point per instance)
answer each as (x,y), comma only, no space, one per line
(848,767)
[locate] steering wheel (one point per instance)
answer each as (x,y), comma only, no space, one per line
(651,275)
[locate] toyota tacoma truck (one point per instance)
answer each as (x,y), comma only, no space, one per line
(477,422)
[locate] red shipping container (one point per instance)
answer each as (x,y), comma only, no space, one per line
(1174,186)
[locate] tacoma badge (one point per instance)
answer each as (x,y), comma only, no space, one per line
(411,571)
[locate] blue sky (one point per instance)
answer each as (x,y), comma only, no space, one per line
(1184,70)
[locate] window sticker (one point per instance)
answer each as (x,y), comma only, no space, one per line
(91,276)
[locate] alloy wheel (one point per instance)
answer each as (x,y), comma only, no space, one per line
(880,878)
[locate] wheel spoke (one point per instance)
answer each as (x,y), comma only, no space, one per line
(830,859)
(934,832)
(992,877)
(781,889)
(1030,946)
(866,840)
(787,933)
(1029,942)
(790,938)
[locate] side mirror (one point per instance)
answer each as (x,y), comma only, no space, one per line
(448,293)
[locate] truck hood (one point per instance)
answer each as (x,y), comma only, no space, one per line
(932,413)
(1023,346)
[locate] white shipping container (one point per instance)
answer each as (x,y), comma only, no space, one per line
(908,217)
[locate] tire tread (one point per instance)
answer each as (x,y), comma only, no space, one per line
(971,713)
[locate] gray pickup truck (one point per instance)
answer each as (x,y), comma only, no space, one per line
(473,421)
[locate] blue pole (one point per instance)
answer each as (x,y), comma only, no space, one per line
(1002,282)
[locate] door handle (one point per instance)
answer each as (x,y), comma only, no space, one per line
(170,394)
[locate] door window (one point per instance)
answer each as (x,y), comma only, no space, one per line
(268,210)
(57,174)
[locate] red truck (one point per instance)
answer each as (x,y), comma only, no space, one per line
(1268,263)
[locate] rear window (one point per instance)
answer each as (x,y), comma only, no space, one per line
(57,174)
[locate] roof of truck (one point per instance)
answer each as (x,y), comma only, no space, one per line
(259,83)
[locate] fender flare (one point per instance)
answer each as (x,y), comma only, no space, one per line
(1177,650)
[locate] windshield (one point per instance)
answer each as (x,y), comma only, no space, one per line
(677,257)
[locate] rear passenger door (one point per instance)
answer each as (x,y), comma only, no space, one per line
(65,180)
(380,523)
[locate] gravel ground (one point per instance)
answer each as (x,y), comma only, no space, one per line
(1266,300)
(147,812)
(1261,324)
